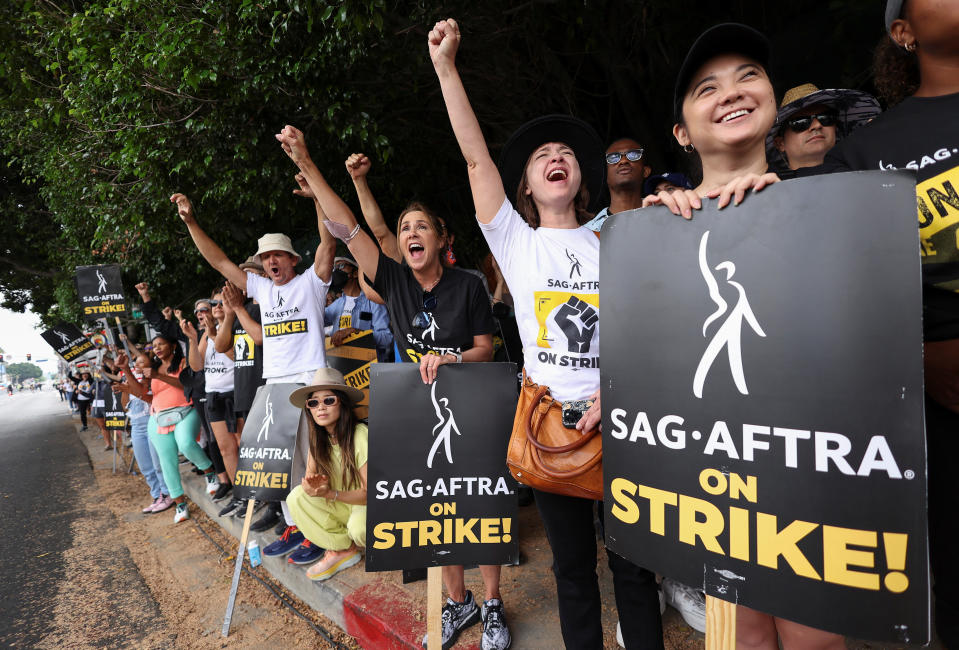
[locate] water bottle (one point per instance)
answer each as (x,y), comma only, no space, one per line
(253,552)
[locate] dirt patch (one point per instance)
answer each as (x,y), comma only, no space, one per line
(187,575)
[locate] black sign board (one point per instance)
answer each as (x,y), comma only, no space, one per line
(68,341)
(100,289)
(439,491)
(763,401)
(115,416)
(353,358)
(267,445)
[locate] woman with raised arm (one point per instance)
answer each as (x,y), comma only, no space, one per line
(551,167)
(438,315)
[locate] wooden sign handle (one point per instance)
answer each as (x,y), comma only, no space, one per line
(720,624)
(434,607)
(237,567)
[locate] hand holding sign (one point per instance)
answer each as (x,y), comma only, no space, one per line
(736,189)
(316,485)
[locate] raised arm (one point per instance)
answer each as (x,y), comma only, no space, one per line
(194,355)
(485,181)
(358,165)
(208,248)
(336,215)
(325,254)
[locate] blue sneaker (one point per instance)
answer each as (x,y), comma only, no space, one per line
(308,553)
(286,543)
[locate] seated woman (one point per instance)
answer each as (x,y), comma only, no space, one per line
(329,506)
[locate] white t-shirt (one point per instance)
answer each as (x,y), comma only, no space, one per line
(346,317)
(553,276)
(292,318)
(217,369)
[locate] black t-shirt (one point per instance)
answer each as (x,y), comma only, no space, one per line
(247,361)
(921,134)
(462,310)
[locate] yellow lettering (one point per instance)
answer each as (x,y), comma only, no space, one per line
(771,543)
(838,557)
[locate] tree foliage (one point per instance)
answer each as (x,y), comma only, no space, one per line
(107,107)
(24,371)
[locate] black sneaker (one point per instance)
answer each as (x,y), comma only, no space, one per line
(231,507)
(241,513)
(280,527)
(266,521)
(222,492)
(495,633)
(456,618)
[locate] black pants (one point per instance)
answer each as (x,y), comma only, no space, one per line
(212,448)
(572,537)
(84,406)
(942,448)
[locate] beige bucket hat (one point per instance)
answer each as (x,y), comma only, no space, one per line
(274,241)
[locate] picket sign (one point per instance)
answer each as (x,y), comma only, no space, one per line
(237,567)
(720,624)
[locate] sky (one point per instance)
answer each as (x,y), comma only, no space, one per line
(19,335)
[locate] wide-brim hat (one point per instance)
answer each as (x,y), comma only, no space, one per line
(274,241)
(893,11)
(571,131)
(326,379)
(854,108)
(252,263)
(724,38)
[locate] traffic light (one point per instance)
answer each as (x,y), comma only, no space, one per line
(28,356)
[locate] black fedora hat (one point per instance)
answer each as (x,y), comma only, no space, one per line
(572,131)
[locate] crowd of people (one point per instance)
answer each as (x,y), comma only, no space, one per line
(540,213)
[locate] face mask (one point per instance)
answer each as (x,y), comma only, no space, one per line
(339,280)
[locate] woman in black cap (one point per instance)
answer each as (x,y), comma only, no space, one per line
(551,168)
(917,73)
(725,105)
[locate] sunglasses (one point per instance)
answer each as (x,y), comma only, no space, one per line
(800,124)
(632,155)
(314,402)
(214,303)
(424,319)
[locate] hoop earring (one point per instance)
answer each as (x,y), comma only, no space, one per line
(911,47)
(689,148)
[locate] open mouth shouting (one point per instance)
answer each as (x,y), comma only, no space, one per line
(556,175)
(416,251)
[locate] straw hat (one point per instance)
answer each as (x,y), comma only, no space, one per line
(274,241)
(252,264)
(325,379)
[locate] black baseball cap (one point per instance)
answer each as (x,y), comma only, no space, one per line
(719,39)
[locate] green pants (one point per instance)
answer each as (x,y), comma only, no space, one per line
(169,445)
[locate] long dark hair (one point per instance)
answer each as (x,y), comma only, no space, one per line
(321,448)
(175,360)
(527,209)
(895,71)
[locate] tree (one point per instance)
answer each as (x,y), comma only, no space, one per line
(109,106)
(24,371)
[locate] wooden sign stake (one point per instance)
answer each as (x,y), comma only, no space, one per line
(434,607)
(238,566)
(720,624)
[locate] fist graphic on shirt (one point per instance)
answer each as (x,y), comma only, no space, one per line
(577,319)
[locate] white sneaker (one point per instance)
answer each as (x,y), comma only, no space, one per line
(688,601)
(182,512)
(212,485)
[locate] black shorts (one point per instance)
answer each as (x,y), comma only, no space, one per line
(241,415)
(219,408)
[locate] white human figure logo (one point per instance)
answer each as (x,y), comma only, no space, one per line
(431,330)
(445,426)
(102,287)
(267,421)
(63,336)
(729,334)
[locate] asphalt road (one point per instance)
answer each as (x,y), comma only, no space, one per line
(46,486)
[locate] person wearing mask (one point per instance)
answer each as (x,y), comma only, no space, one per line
(439,315)
(626,171)
(810,121)
(916,69)
(550,167)
(353,312)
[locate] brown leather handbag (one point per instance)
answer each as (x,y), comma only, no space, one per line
(546,455)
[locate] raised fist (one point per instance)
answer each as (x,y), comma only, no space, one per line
(144,290)
(444,40)
(358,165)
(305,189)
(577,318)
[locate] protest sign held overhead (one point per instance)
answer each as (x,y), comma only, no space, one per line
(439,492)
(263,471)
(354,358)
(763,402)
(68,341)
(100,289)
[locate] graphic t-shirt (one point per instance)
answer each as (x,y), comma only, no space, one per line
(247,361)
(921,134)
(292,318)
(218,370)
(346,317)
(553,275)
(462,310)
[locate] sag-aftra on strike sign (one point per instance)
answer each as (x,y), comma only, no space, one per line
(763,401)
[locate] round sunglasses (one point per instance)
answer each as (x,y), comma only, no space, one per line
(314,402)
(632,155)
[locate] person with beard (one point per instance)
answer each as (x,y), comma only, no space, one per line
(626,171)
